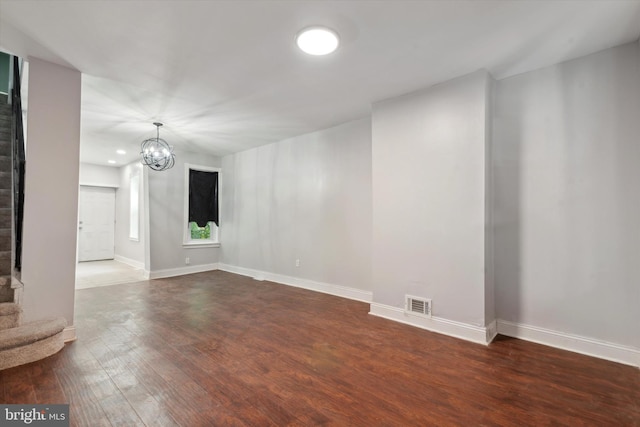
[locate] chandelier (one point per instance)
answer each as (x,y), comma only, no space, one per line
(157,153)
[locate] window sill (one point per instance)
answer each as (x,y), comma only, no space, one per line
(196,245)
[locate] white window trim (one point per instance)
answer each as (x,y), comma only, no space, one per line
(186,234)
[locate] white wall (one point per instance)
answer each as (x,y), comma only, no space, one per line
(306,198)
(567,205)
(99,176)
(51,191)
(127,250)
(429,153)
(166,217)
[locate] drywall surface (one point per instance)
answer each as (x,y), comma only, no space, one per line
(566,204)
(307,198)
(99,176)
(429,198)
(127,249)
(166,216)
(489,235)
(51,191)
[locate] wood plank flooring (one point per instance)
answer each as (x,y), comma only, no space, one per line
(218,349)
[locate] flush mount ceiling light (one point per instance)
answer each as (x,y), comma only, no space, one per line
(157,153)
(317,40)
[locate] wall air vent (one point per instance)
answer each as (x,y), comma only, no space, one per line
(418,306)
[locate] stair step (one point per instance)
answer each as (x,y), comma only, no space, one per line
(5,180)
(5,164)
(6,293)
(5,147)
(31,341)
(5,239)
(5,198)
(5,218)
(10,315)
(5,263)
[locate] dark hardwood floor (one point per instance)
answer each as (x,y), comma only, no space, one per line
(217,349)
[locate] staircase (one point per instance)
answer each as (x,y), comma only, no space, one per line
(6,292)
(26,343)
(20,343)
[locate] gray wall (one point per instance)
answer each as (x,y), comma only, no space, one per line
(567,204)
(51,191)
(306,198)
(429,198)
(166,216)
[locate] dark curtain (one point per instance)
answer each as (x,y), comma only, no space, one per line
(203,197)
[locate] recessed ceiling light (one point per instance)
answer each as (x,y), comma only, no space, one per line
(317,40)
(121,152)
(113,162)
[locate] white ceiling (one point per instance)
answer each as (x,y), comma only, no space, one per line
(225,76)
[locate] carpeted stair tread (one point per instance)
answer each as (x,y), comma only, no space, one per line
(31,342)
(6,294)
(5,180)
(7,308)
(5,263)
(10,315)
(5,198)
(30,333)
(5,239)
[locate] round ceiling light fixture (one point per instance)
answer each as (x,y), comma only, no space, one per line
(317,40)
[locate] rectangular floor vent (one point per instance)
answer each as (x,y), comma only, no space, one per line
(418,306)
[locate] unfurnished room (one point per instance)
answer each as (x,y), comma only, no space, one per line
(310,212)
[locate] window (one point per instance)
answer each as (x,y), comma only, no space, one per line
(134,207)
(201,223)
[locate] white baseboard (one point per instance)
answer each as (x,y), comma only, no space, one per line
(132,262)
(327,288)
(69,333)
(180,271)
(492,331)
(452,328)
(575,343)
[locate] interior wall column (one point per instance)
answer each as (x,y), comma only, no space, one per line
(51,191)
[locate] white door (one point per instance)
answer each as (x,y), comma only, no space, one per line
(96,228)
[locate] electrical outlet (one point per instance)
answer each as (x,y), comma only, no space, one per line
(187,261)
(297,263)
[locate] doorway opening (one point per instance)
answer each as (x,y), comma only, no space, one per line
(97,263)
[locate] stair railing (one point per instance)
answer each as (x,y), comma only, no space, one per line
(17,142)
